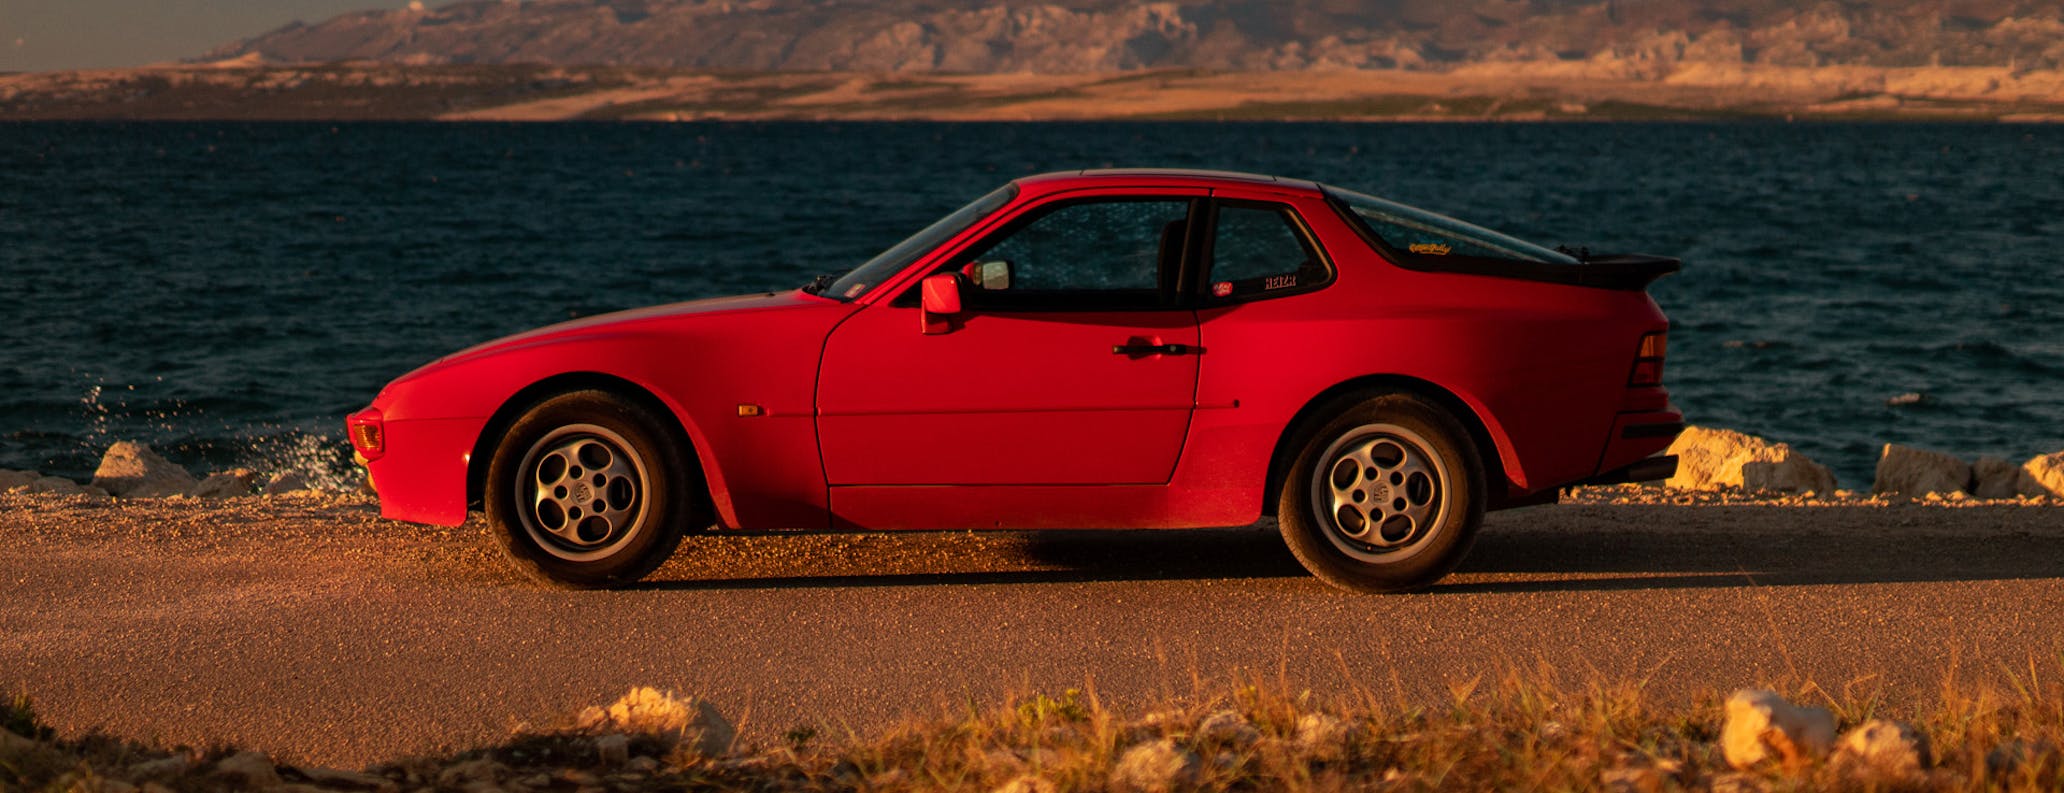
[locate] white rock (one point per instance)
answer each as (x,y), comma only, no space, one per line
(132,470)
(252,770)
(1883,748)
(1993,477)
(1227,727)
(1762,726)
(348,780)
(10,480)
(477,771)
(1154,767)
(288,482)
(1917,472)
(1712,459)
(226,484)
(1791,474)
(692,722)
(1323,737)
(162,767)
(59,486)
(613,750)
(2043,476)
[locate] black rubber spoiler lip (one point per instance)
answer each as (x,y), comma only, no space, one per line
(1624,270)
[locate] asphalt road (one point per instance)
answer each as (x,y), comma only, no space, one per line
(317,632)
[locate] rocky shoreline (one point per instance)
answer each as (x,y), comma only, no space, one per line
(1716,466)
(1712,460)
(134,470)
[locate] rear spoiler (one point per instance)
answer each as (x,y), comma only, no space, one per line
(1624,270)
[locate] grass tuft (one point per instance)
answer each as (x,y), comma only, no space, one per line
(1537,729)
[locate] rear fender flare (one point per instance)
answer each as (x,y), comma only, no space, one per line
(1503,470)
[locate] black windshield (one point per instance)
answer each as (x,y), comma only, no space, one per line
(892,261)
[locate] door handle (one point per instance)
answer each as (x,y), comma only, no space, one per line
(1154,349)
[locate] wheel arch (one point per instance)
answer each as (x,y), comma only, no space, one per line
(1320,408)
(529,396)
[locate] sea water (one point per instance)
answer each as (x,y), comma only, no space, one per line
(227,292)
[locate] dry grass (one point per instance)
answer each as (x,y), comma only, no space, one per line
(1534,730)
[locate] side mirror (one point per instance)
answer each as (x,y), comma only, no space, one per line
(940,302)
(991,275)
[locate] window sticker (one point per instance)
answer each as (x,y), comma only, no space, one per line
(1431,248)
(1222,288)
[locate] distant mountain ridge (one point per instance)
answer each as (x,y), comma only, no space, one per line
(1630,38)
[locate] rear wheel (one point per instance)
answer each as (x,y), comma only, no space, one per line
(587,489)
(1385,497)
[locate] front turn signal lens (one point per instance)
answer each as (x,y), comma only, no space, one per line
(1648,360)
(368,433)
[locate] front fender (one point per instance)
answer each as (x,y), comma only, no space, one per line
(763,470)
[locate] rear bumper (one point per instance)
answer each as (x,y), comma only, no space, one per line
(1646,469)
(1637,435)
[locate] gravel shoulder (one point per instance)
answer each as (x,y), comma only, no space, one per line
(308,626)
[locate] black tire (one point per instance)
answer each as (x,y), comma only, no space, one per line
(1386,496)
(627,490)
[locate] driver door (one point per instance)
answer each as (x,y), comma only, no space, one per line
(1073,361)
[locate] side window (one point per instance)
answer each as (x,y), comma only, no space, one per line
(1102,251)
(1258,249)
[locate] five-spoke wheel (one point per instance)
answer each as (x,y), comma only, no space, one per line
(1385,496)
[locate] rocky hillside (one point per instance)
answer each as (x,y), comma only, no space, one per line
(1634,38)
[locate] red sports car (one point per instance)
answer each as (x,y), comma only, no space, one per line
(1097,349)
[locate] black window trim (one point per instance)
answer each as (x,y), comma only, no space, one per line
(1083,300)
(1618,271)
(1199,290)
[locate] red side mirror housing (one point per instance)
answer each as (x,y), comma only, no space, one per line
(940,302)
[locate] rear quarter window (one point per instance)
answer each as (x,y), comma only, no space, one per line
(1260,250)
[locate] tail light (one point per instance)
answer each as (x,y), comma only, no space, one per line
(1648,360)
(368,433)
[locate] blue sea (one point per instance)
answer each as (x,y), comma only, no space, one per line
(227,292)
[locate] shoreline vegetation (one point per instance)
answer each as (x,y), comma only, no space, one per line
(247,89)
(1535,730)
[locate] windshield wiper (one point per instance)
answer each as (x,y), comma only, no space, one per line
(818,284)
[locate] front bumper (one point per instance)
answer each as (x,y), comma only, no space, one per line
(420,469)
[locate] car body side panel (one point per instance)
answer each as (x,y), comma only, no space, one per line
(763,470)
(1032,398)
(1542,366)
(918,507)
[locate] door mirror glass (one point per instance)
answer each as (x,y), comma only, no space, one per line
(990,275)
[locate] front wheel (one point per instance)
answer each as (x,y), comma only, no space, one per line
(588,489)
(1385,497)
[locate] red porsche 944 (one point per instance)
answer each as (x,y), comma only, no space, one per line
(1099,349)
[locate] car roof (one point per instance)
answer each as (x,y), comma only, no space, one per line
(1160,177)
